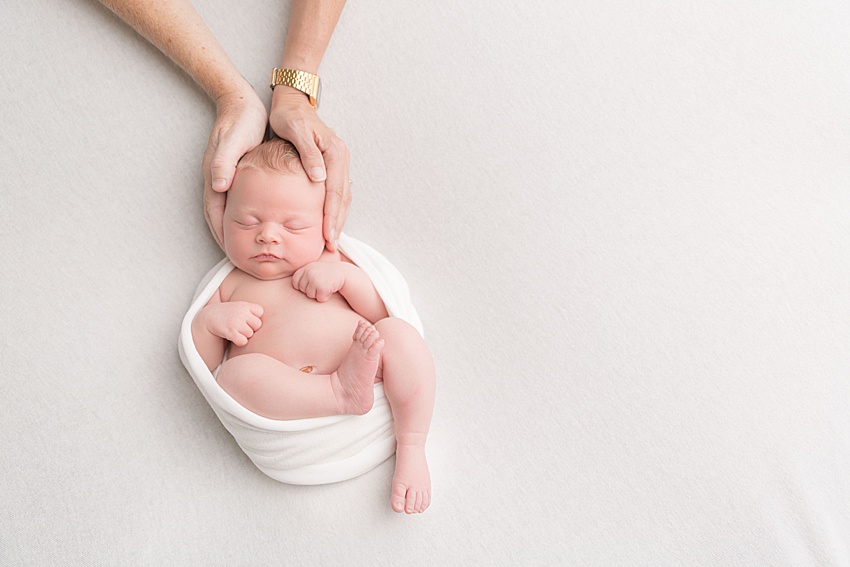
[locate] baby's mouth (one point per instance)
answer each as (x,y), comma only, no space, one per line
(265,257)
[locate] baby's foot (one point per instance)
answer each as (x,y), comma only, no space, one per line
(411,481)
(353,382)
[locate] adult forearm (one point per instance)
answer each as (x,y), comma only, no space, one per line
(176,28)
(311,25)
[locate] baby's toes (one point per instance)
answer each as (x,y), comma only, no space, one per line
(413,496)
(368,339)
(375,348)
(368,336)
(397,498)
(358,332)
(420,500)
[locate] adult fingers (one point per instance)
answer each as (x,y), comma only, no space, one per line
(223,163)
(301,136)
(214,213)
(337,190)
(323,155)
(292,118)
(239,126)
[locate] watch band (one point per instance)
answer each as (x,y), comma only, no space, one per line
(307,83)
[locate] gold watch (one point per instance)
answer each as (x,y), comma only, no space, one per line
(307,83)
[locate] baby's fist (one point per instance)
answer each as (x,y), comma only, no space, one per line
(320,280)
(236,321)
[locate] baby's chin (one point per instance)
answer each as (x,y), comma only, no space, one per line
(268,271)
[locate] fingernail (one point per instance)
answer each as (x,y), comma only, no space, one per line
(317,174)
(219,183)
(333,234)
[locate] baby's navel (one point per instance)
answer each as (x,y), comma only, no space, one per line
(308,369)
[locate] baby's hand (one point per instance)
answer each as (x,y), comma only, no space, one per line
(236,321)
(320,280)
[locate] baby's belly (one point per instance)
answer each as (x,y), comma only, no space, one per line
(302,332)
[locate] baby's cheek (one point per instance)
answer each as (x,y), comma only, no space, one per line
(319,246)
(314,244)
(238,248)
(230,235)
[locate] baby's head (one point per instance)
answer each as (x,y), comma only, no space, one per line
(273,215)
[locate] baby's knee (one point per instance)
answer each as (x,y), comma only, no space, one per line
(229,372)
(232,373)
(396,327)
(399,334)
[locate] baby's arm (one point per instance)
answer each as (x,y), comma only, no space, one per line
(361,294)
(221,321)
(320,280)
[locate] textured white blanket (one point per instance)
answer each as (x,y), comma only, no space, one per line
(317,450)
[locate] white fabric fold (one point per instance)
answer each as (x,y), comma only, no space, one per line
(316,450)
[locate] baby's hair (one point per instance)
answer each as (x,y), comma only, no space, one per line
(276,153)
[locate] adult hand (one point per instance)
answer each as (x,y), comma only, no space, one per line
(239,127)
(323,155)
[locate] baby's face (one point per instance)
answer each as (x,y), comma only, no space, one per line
(273,222)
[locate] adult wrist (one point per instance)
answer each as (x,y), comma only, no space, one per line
(289,96)
(286,90)
(240,92)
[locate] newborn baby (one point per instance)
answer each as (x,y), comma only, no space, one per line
(308,335)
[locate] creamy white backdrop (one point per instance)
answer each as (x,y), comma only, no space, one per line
(626,228)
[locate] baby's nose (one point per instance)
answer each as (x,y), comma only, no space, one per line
(269,234)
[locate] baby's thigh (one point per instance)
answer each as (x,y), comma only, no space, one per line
(245,377)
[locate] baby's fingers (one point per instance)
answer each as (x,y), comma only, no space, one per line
(323,295)
(238,339)
(255,309)
(254,323)
(242,334)
(246,331)
(296,279)
(309,290)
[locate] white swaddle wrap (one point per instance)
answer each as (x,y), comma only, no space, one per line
(316,450)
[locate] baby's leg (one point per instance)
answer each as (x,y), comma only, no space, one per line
(409,383)
(270,388)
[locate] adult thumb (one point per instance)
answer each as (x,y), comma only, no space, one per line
(222,166)
(311,159)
